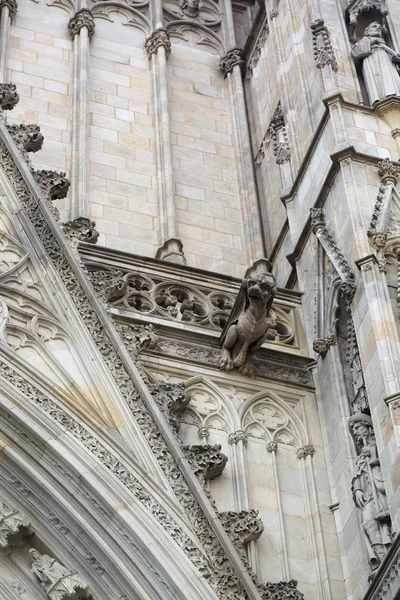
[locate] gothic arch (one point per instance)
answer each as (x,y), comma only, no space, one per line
(266,416)
(209,405)
(86,517)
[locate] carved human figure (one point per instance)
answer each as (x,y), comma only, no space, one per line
(369,491)
(59,582)
(14,526)
(379,64)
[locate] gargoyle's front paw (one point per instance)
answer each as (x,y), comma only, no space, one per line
(246,369)
(225,363)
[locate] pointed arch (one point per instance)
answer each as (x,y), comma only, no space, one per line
(210,406)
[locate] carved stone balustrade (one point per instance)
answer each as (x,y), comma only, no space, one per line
(172,400)
(207,461)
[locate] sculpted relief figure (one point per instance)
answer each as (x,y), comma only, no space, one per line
(191,7)
(369,491)
(59,582)
(378,64)
(248,324)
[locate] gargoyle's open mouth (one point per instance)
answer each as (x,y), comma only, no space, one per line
(255,296)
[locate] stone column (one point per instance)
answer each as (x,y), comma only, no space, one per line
(272,448)
(158,48)
(81,26)
(238,440)
(8,9)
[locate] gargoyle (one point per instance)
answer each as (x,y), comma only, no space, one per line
(247,325)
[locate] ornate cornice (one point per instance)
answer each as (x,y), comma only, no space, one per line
(323,51)
(157,39)
(83,18)
(232,58)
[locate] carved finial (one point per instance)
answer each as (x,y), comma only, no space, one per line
(83,18)
(159,37)
(8,96)
(323,51)
(12,6)
(231,59)
(305,451)
(81,229)
(59,582)
(388,171)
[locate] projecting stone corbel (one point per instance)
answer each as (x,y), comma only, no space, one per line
(207,461)
(172,399)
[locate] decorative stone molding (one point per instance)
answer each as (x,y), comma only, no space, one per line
(282,590)
(81,229)
(8,96)
(232,58)
(307,450)
(279,135)
(59,582)
(321,345)
(108,284)
(172,400)
(54,185)
(388,170)
(27,137)
(255,53)
(334,253)
(207,461)
(157,39)
(357,7)
(12,6)
(83,18)
(137,337)
(323,51)
(242,527)
(14,526)
(172,251)
(272,447)
(238,436)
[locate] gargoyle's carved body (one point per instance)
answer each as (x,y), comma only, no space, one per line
(247,333)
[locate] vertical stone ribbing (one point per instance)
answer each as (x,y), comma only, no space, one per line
(283,553)
(8,8)
(82,29)
(158,47)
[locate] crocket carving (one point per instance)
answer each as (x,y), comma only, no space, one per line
(248,324)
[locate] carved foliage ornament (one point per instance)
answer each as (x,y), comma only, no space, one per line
(231,59)
(158,38)
(223,579)
(172,400)
(242,527)
(12,6)
(82,18)
(8,96)
(27,137)
(257,49)
(279,135)
(207,461)
(80,229)
(323,51)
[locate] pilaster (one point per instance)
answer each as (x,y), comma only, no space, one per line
(8,9)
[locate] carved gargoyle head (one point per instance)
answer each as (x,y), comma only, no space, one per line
(260,290)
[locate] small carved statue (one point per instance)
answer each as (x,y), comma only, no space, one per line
(14,526)
(59,582)
(379,64)
(248,324)
(190,8)
(368,490)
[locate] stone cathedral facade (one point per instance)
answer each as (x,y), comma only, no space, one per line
(199,300)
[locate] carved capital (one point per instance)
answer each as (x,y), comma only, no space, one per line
(232,58)
(12,6)
(272,447)
(321,345)
(8,96)
(157,39)
(208,461)
(388,171)
(238,436)
(323,51)
(80,229)
(14,526)
(83,18)
(305,451)
(172,400)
